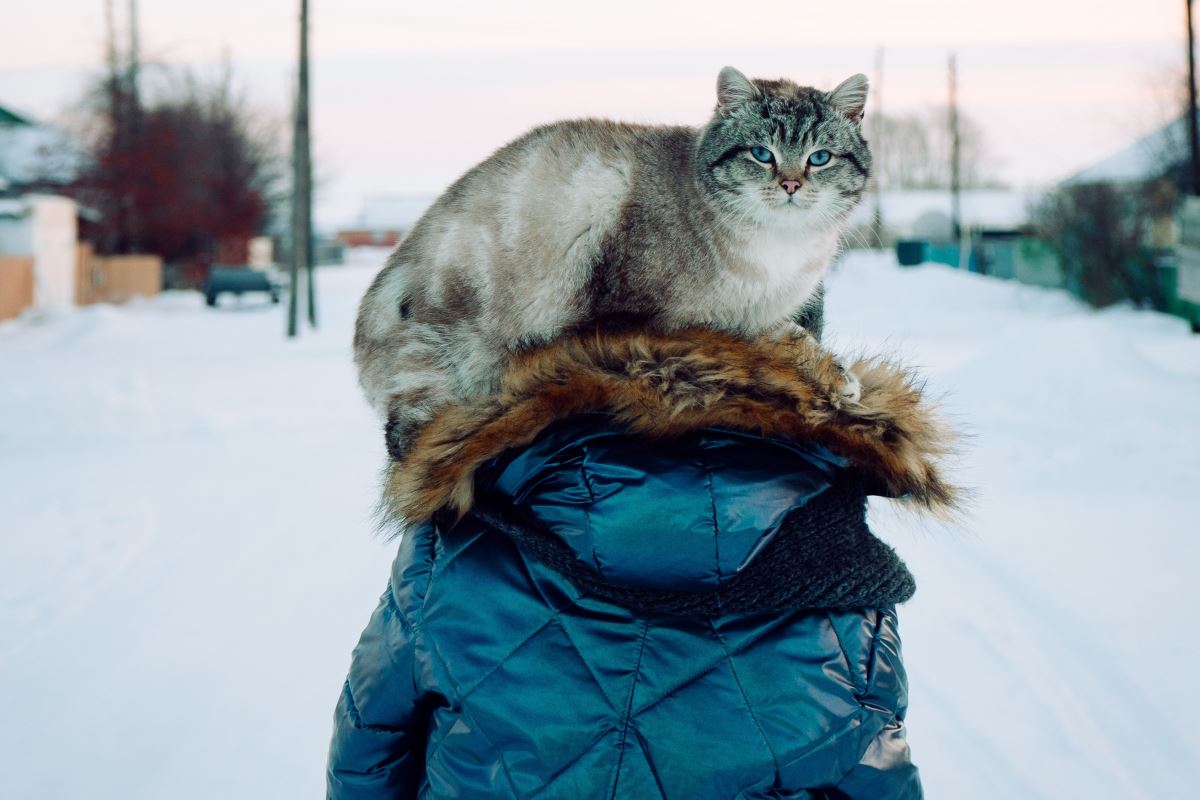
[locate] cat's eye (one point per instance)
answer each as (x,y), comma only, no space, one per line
(762,154)
(820,158)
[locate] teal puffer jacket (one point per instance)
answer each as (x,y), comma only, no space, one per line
(699,614)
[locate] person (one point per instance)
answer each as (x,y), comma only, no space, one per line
(642,569)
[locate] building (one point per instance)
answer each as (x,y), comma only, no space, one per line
(384,219)
(34,155)
(926,213)
(43,264)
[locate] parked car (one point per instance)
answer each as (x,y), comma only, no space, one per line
(238,281)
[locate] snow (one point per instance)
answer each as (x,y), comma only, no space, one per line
(29,152)
(1148,157)
(188,550)
(904,210)
(393,211)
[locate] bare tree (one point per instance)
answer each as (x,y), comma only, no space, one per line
(913,151)
(198,168)
(1099,231)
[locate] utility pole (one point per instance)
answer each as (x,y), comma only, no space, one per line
(135,99)
(878,112)
(301,190)
(955,155)
(116,103)
(133,116)
(1193,133)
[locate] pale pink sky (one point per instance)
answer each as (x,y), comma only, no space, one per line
(405,100)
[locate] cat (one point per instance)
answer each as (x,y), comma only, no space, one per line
(593,222)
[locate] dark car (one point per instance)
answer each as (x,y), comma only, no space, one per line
(238,281)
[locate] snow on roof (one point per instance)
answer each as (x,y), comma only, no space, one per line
(30,151)
(1146,158)
(392,211)
(10,117)
(981,208)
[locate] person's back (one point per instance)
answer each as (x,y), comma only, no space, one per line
(661,584)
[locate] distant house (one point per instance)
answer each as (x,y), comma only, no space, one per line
(384,219)
(43,264)
(34,155)
(993,223)
(356,237)
(926,213)
(1151,156)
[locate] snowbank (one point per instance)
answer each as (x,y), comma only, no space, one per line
(187,555)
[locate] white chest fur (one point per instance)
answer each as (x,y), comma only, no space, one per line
(773,272)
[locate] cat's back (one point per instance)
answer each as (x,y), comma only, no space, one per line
(588,159)
(533,215)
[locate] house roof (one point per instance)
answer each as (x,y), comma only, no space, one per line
(31,151)
(392,211)
(996,209)
(1148,157)
(10,117)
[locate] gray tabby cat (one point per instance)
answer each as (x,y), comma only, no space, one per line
(593,222)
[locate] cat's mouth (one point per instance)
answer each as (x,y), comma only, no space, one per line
(797,202)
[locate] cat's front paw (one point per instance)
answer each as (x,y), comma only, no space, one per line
(788,330)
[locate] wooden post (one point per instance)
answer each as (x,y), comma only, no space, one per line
(877,102)
(955,155)
(306,156)
(301,187)
(1193,133)
(133,120)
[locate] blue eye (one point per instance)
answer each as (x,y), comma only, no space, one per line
(762,154)
(820,158)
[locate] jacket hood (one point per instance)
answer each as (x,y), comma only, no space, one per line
(710,500)
(665,387)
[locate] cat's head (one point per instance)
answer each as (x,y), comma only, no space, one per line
(776,152)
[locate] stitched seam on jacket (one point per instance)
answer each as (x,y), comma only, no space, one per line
(435,653)
(872,654)
(499,753)
(852,726)
(586,665)
(501,661)
(628,720)
(851,672)
(712,504)
(745,699)
(650,764)
(670,690)
(558,773)
(356,718)
(394,608)
(523,560)
(587,511)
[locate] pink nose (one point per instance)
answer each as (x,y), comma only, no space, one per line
(790,186)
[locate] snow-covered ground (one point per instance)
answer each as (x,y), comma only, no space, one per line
(187,551)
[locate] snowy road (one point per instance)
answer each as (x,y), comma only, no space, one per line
(186,551)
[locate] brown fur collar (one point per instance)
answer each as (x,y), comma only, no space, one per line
(662,386)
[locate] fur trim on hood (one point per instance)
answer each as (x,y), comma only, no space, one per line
(659,385)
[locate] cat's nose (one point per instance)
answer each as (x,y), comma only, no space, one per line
(790,186)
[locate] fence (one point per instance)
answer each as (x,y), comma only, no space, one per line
(16,285)
(115,279)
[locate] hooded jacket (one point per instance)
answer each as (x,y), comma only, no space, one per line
(642,569)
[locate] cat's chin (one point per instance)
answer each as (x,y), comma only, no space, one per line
(792,214)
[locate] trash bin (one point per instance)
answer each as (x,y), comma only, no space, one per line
(910,252)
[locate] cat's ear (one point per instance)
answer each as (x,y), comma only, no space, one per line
(850,97)
(734,89)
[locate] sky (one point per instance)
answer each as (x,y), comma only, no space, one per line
(406,98)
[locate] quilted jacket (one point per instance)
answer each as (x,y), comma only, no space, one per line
(642,571)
